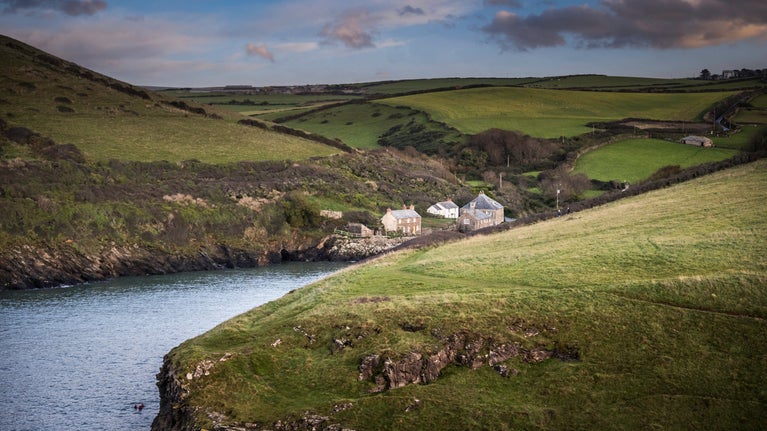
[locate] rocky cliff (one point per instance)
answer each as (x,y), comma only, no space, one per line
(37,266)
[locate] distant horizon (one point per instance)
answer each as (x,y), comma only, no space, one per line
(697,76)
(325,42)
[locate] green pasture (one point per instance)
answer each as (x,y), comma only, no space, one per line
(740,139)
(174,138)
(359,125)
(551,113)
(634,160)
(760,102)
(620,83)
(414,85)
(603,82)
(660,300)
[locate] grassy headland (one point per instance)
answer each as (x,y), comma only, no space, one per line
(652,308)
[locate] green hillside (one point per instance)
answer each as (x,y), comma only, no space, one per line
(646,313)
(549,113)
(108,119)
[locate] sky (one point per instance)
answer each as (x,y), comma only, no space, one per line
(196,43)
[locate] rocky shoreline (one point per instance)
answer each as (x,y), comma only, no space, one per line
(41,266)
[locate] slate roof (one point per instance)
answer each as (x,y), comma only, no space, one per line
(482,202)
(479,215)
(399,214)
(446,205)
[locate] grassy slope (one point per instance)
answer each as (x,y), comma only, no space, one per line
(664,295)
(549,114)
(636,159)
(108,124)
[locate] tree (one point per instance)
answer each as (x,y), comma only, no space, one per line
(705,74)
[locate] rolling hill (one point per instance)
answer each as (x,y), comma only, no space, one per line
(99,178)
(648,312)
(108,119)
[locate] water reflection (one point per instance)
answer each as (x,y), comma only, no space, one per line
(81,357)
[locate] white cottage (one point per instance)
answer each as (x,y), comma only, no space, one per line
(446,209)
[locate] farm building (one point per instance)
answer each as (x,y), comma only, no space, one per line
(698,141)
(405,221)
(359,230)
(446,209)
(473,219)
(483,203)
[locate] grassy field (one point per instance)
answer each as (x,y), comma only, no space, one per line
(107,119)
(170,136)
(615,83)
(663,297)
(636,159)
(360,125)
(413,85)
(548,113)
(610,82)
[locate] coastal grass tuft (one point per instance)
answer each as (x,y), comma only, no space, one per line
(663,296)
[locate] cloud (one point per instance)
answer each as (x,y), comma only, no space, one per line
(297,46)
(410,10)
(69,7)
(353,29)
(633,23)
(260,51)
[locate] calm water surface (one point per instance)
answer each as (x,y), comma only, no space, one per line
(81,357)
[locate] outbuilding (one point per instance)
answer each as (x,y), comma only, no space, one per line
(698,141)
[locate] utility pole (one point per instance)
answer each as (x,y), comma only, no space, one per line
(500,180)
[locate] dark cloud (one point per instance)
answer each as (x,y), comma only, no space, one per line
(515,4)
(410,10)
(69,7)
(634,23)
(353,29)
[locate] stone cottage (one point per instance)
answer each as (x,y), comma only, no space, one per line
(483,204)
(405,221)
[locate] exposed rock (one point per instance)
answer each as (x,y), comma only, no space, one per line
(351,249)
(465,349)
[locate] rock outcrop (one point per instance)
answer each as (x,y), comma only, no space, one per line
(463,349)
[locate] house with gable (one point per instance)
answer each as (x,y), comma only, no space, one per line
(481,212)
(405,221)
(446,209)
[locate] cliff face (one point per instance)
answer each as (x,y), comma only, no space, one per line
(174,414)
(28,266)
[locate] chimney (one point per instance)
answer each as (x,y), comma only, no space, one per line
(404,207)
(412,207)
(388,210)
